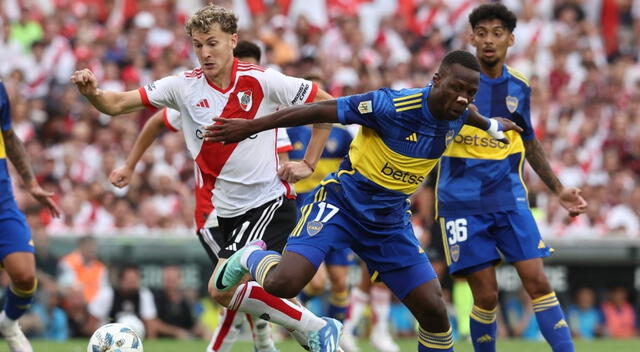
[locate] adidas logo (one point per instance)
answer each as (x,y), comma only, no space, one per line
(203,103)
(541,245)
(560,324)
(412,137)
(484,338)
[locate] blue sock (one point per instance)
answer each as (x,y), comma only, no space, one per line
(260,262)
(552,324)
(483,329)
(435,341)
(338,305)
(18,301)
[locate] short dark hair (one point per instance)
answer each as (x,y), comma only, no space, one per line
(461,57)
(246,48)
(493,11)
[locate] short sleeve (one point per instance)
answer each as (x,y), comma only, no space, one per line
(100,306)
(283,143)
(147,305)
(5,108)
(523,117)
(161,93)
(363,109)
(172,119)
(287,90)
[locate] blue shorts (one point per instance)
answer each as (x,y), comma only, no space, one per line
(474,242)
(328,223)
(341,257)
(15,235)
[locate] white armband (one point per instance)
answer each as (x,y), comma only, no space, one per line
(496,129)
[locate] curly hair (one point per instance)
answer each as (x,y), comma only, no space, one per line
(493,11)
(207,16)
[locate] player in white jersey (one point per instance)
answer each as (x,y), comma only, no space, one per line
(251,199)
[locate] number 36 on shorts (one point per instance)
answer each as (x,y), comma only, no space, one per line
(456,231)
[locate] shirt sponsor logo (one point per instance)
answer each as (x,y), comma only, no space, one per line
(478,141)
(403,176)
(301,93)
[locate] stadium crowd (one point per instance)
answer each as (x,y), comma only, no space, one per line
(581,57)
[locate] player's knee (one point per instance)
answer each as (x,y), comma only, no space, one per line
(433,312)
(486,299)
(23,279)
(221,297)
(537,285)
(338,284)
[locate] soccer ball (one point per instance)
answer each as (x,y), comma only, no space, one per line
(114,338)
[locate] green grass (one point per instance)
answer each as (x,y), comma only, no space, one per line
(407,345)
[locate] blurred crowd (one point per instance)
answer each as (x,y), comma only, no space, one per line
(581,57)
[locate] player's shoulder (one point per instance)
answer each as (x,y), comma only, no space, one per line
(518,77)
(249,67)
(195,73)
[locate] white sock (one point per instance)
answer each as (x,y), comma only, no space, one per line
(301,338)
(252,299)
(380,305)
(359,301)
(261,331)
(226,332)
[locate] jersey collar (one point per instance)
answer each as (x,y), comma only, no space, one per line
(232,82)
(491,81)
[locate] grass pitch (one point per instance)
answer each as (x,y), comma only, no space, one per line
(406,345)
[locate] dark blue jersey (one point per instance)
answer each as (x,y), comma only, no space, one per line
(478,174)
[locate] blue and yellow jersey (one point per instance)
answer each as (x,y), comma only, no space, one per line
(398,145)
(335,149)
(478,174)
(6,192)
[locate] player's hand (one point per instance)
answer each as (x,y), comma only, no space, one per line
(121,176)
(86,82)
(507,125)
(45,198)
(227,130)
(294,171)
(571,200)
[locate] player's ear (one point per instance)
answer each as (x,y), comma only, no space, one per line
(234,40)
(512,39)
(436,79)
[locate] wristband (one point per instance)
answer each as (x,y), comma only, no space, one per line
(308,165)
(496,129)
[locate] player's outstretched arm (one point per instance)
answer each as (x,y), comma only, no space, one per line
(20,160)
(234,130)
(121,176)
(294,171)
(108,102)
(495,126)
(570,197)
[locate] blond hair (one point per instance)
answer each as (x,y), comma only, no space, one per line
(207,16)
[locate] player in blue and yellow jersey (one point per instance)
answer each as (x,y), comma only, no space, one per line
(336,263)
(16,246)
(482,199)
(364,204)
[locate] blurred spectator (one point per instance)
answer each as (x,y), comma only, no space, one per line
(46,319)
(619,315)
(520,317)
(127,299)
(175,315)
(82,269)
(584,317)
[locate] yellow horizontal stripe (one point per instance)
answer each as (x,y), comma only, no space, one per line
(24,293)
(409,107)
(542,298)
(545,307)
(372,158)
(407,97)
(265,272)
(483,320)
(482,310)
(408,102)
(474,143)
(427,333)
(548,300)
